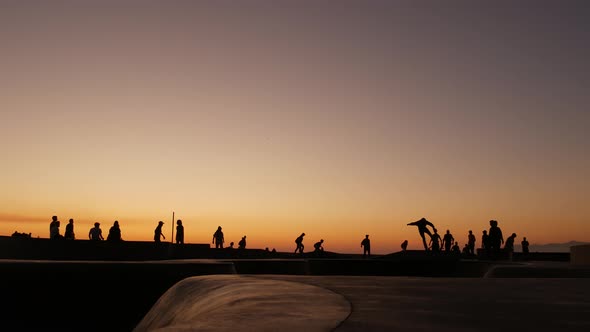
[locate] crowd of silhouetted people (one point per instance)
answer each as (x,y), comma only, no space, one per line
(493,244)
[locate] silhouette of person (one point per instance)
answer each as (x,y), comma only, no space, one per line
(69,234)
(114,232)
(435,241)
(54,229)
(495,237)
(179,232)
(218,238)
(509,245)
(95,233)
(366,244)
(273,251)
(231,245)
(299,242)
(466,250)
(471,243)
(448,240)
(158,232)
(456,248)
(242,243)
(422,228)
(405,244)
(485,242)
(525,245)
(318,246)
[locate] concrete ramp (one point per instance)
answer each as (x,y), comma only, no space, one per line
(245,303)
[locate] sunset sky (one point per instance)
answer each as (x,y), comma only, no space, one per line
(272,118)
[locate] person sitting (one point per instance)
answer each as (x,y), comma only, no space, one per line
(456,248)
(318,246)
(467,249)
(405,245)
(69,234)
(114,232)
(95,233)
(242,243)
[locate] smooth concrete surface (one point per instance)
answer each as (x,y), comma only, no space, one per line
(458,304)
(243,303)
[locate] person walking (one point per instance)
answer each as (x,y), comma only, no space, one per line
(299,243)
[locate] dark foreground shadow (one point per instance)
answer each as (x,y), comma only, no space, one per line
(88,296)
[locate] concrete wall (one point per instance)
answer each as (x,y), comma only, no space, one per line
(580,254)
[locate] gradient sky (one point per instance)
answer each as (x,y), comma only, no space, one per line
(272,118)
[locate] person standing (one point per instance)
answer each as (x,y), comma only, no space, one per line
(525,245)
(52,226)
(485,242)
(495,237)
(471,243)
(435,242)
(179,232)
(69,234)
(218,238)
(95,233)
(158,232)
(54,229)
(448,241)
(366,245)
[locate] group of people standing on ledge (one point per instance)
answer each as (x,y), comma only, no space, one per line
(491,241)
(114,235)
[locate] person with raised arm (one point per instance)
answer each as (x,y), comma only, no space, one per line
(422,225)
